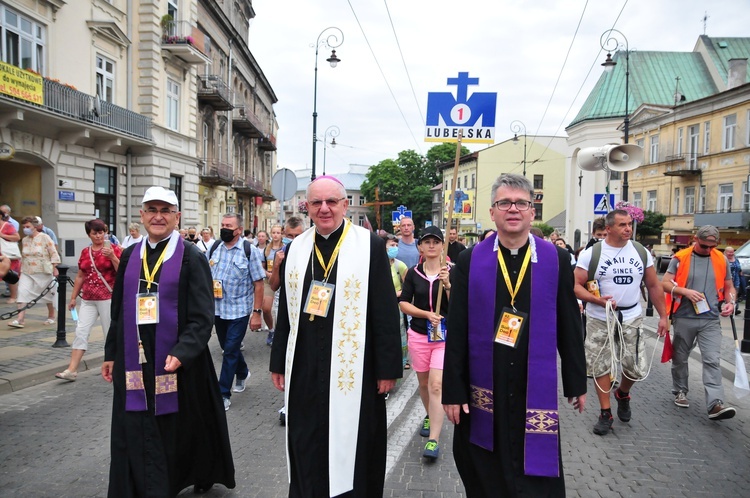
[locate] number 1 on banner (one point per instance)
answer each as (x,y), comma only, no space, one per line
(460,113)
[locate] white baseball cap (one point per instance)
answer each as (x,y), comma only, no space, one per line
(160,194)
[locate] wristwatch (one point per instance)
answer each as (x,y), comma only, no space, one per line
(257,311)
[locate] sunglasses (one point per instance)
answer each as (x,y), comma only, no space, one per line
(705,247)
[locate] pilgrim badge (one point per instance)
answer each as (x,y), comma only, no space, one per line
(147,308)
(319,298)
(510,327)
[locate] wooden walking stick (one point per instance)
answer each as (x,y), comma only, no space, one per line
(443,258)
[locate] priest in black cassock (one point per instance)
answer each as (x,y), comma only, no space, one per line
(500,377)
(337,351)
(169,428)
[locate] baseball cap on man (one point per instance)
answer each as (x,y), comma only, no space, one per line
(432,231)
(160,194)
(707,231)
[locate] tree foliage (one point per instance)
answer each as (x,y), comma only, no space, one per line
(407,181)
(545,228)
(651,224)
(443,153)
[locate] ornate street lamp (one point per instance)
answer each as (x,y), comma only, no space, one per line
(516,127)
(332,37)
(331,132)
(609,42)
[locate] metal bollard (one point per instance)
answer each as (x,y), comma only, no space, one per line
(62,303)
(745,343)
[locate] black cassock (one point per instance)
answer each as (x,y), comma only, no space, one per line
(307,412)
(501,472)
(160,456)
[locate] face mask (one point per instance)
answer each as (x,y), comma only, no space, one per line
(226,234)
(28,231)
(191,236)
(392,252)
(286,241)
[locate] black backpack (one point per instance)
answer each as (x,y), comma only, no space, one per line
(247,245)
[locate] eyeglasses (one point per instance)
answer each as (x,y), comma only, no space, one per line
(152,211)
(504,205)
(330,202)
(705,247)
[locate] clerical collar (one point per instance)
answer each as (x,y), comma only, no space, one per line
(513,252)
(153,245)
(327,236)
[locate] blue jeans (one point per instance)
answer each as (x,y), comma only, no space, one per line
(231,334)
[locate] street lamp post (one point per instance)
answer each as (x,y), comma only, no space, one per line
(516,127)
(332,132)
(609,42)
(332,37)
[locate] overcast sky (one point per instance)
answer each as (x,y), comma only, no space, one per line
(516,49)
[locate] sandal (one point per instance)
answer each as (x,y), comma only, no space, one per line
(67,375)
(16,324)
(49,321)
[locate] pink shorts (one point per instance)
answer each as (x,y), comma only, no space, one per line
(425,356)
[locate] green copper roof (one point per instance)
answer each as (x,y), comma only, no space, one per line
(721,50)
(652,81)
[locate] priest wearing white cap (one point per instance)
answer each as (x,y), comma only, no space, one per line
(169,429)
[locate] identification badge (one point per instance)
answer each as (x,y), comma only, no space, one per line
(319,298)
(436,334)
(147,308)
(218,290)
(510,327)
(701,306)
(593,287)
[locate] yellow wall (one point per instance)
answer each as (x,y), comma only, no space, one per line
(507,157)
(21,188)
(717,167)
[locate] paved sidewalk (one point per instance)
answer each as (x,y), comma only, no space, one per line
(27,355)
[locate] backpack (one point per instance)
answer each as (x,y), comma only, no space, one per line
(248,246)
(596,253)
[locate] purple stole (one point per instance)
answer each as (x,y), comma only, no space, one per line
(541,443)
(165,397)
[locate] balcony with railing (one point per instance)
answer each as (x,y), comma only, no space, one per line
(267,143)
(214,172)
(723,218)
(248,185)
(186,41)
(685,164)
(64,101)
(213,91)
(245,122)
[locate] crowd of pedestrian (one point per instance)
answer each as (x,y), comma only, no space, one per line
(347,310)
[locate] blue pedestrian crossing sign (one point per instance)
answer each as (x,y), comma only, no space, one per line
(400,212)
(602,205)
(474,115)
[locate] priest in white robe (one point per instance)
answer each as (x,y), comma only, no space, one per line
(337,351)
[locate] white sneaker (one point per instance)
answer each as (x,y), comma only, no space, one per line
(239,385)
(227,403)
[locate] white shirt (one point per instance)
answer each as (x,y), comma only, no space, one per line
(130,241)
(204,246)
(619,274)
